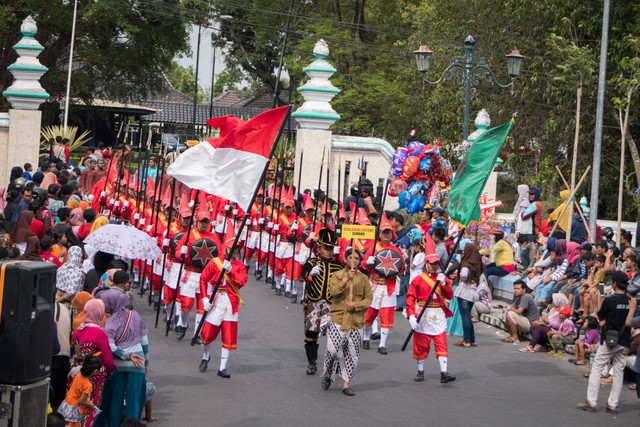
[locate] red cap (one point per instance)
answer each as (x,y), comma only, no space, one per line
(151,187)
(430,254)
(363,219)
(341,212)
(565,309)
(307,203)
(185,210)
(202,214)
(384,223)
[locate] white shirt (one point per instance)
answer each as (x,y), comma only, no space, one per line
(418,262)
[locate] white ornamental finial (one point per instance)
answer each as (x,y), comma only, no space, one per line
(29,26)
(26,93)
(321,49)
(482,119)
(316,112)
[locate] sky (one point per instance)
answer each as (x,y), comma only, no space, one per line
(206,56)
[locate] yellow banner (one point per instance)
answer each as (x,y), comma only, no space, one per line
(364,232)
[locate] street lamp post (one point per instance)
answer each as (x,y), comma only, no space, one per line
(469,70)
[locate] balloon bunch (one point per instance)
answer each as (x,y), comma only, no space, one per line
(422,176)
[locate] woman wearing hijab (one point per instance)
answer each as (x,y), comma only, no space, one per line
(559,276)
(76,219)
(70,277)
(561,216)
(101,263)
(32,252)
(522,227)
(572,254)
(91,340)
(100,221)
(79,302)
(467,291)
(22,230)
(534,211)
(129,343)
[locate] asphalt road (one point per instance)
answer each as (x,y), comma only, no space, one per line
(496,385)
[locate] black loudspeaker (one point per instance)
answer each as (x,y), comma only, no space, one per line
(27,293)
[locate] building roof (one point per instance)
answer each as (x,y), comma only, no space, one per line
(182,112)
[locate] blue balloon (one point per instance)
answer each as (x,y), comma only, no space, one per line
(415,187)
(416,205)
(425,164)
(404,199)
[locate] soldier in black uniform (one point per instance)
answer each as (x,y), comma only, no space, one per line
(317,306)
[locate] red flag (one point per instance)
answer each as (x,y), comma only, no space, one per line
(231,166)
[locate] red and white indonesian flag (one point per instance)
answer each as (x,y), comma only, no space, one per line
(231,165)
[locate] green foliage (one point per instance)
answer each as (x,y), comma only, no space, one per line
(121,47)
(183,79)
(75,141)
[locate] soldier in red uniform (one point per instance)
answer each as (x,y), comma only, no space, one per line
(302,250)
(433,324)
(384,298)
(253,231)
(173,264)
(288,230)
(190,281)
(222,314)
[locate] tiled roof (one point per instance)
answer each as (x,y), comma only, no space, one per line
(182,112)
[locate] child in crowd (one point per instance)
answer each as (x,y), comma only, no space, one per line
(590,293)
(59,249)
(148,404)
(588,343)
(567,333)
(27,171)
(78,404)
(416,260)
(46,246)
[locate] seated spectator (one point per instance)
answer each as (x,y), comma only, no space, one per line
(579,273)
(519,317)
(588,343)
(566,334)
(549,320)
(503,255)
(590,292)
(483,305)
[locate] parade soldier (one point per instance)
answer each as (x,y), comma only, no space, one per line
(302,250)
(172,266)
(253,232)
(433,324)
(288,229)
(350,295)
(317,305)
(384,298)
(222,314)
(190,281)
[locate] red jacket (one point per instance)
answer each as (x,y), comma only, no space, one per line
(237,275)
(420,288)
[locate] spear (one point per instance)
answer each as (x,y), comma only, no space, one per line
(229,255)
(258,216)
(165,243)
(273,207)
(339,173)
(182,261)
(277,219)
(326,196)
(295,243)
(154,220)
(103,194)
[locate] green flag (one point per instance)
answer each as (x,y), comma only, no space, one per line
(473,172)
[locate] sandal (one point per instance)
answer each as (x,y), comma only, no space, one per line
(474,344)
(526,349)
(466,345)
(459,343)
(508,340)
(611,410)
(586,406)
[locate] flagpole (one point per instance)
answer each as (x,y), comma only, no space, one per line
(239,233)
(273,207)
(165,244)
(434,288)
(157,190)
(182,260)
(277,218)
(295,240)
(326,195)
(258,218)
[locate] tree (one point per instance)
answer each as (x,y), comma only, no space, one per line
(183,79)
(121,46)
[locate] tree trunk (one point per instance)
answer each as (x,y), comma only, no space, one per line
(337,15)
(633,148)
(358,19)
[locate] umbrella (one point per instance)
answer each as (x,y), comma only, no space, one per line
(125,241)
